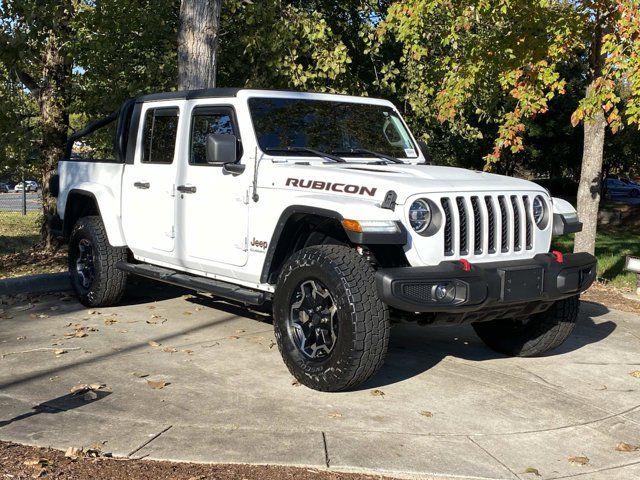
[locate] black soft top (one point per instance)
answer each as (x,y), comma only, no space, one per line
(190,94)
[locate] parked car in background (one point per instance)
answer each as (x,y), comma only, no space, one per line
(4,188)
(626,188)
(31,186)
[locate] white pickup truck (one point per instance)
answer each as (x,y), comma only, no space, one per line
(322,208)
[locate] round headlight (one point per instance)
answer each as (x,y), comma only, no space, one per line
(539,210)
(420,215)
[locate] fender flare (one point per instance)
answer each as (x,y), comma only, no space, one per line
(104,201)
(397,238)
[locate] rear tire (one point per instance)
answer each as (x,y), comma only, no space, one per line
(541,333)
(92,264)
(331,326)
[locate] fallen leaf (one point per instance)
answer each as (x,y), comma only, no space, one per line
(59,351)
(22,337)
(150,307)
(377,393)
(426,413)
(240,331)
(73,452)
(110,321)
(335,415)
(578,460)
(233,337)
(635,374)
(85,387)
(626,447)
(272,344)
(170,349)
(154,344)
(295,383)
(157,385)
(94,312)
(187,313)
(155,316)
(188,352)
(532,470)
(140,375)
(36,462)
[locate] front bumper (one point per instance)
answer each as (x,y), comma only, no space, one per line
(449,287)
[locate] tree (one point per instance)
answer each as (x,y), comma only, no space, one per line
(198,43)
(499,62)
(35,38)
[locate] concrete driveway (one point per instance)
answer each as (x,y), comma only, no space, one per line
(444,406)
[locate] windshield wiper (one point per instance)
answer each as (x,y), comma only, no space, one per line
(317,153)
(369,152)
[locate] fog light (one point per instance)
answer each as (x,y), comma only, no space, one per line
(443,292)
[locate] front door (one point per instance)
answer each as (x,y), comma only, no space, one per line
(148,198)
(212,203)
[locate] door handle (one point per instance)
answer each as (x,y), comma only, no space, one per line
(142,185)
(186,189)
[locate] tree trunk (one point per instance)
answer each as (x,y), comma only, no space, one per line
(590,178)
(54,101)
(198,43)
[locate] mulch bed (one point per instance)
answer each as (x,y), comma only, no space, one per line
(610,297)
(22,462)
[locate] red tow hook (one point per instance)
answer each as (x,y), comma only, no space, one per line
(558,256)
(466,266)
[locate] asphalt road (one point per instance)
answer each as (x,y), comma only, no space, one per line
(12,202)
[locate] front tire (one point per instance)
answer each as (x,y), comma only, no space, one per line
(535,336)
(331,326)
(92,264)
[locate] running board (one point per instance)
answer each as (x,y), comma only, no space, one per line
(201,284)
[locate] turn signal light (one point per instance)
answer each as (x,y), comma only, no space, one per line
(352,225)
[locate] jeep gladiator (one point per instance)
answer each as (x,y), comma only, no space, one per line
(322,209)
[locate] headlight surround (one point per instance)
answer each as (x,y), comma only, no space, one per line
(539,210)
(420,215)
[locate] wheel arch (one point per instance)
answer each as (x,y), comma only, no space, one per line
(300,226)
(95,200)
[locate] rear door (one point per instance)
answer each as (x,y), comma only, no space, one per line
(148,187)
(213,215)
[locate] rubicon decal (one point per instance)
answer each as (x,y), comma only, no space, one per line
(331,187)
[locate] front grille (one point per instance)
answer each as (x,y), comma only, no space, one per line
(475,225)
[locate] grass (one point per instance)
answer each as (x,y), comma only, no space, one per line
(612,247)
(18,232)
(19,252)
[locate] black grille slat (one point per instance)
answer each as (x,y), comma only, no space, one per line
(477,226)
(448,227)
(528,223)
(505,227)
(517,245)
(491,224)
(464,234)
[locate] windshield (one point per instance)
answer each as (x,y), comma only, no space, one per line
(341,128)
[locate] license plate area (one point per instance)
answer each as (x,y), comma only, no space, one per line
(520,283)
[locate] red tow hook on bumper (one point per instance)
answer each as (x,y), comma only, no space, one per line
(558,256)
(466,265)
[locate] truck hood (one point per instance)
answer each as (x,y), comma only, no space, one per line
(374,181)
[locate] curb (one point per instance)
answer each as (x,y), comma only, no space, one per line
(43,283)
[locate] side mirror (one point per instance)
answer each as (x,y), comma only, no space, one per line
(425,152)
(221,149)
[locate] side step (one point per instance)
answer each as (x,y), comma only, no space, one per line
(201,284)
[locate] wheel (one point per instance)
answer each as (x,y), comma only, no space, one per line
(331,327)
(533,336)
(92,264)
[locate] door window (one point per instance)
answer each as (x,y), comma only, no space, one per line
(159,137)
(208,121)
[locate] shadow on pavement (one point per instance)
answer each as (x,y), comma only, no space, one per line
(64,403)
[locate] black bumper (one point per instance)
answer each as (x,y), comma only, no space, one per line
(449,287)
